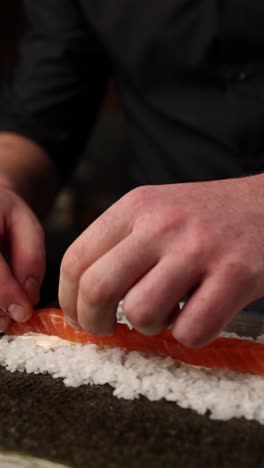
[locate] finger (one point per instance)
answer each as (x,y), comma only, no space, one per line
(4,323)
(106,232)
(151,304)
(13,300)
(209,310)
(27,249)
(106,282)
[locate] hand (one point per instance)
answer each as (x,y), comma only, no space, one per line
(22,258)
(160,243)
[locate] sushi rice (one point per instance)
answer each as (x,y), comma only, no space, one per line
(224,394)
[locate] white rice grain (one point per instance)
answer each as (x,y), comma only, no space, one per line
(224,394)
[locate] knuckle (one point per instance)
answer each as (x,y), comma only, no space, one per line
(168,224)
(196,247)
(200,239)
(240,271)
(95,290)
(196,251)
(199,245)
(71,263)
(140,195)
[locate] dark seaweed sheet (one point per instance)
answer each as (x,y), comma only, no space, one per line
(88,427)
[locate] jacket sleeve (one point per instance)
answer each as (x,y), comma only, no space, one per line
(58,83)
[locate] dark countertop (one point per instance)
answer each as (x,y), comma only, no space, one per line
(88,427)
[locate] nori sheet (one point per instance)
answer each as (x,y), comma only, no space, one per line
(88,427)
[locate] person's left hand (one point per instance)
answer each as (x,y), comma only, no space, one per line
(160,243)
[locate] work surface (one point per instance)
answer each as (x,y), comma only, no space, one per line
(88,427)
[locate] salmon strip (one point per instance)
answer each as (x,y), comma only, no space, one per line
(238,355)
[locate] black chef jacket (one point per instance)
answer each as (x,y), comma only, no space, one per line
(190,75)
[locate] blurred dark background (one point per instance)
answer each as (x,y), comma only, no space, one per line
(101,176)
(11,26)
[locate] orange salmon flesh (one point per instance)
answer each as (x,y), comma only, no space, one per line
(238,355)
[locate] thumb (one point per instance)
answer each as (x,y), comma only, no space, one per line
(27,252)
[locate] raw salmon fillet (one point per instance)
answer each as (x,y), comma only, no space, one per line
(238,355)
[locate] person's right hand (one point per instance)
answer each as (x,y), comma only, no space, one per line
(22,258)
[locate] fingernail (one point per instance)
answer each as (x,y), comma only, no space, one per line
(96,332)
(17,312)
(32,288)
(150,331)
(4,323)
